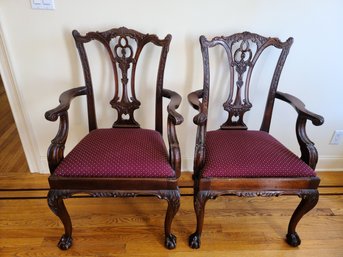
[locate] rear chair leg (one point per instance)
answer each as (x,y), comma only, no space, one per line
(56,204)
(309,200)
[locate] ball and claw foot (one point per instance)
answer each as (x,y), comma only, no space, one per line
(293,239)
(65,242)
(170,241)
(194,241)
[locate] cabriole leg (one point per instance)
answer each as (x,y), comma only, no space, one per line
(309,200)
(200,199)
(173,198)
(56,204)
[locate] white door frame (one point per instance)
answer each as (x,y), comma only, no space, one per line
(20,114)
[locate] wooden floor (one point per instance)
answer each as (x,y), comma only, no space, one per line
(134,226)
(12,157)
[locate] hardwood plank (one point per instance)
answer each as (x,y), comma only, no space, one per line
(330,190)
(23,194)
(331,179)
(24,181)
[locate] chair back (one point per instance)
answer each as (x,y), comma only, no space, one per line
(242,51)
(124,47)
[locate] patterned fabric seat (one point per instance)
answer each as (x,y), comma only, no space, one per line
(105,153)
(250,154)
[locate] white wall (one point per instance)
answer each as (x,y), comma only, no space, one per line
(38,60)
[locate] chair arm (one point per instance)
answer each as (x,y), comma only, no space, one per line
(174,118)
(308,150)
(56,148)
(175,100)
(65,100)
(299,106)
(193,98)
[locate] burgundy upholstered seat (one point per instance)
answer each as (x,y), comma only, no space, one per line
(250,154)
(105,153)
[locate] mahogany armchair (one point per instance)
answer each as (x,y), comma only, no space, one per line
(236,161)
(125,160)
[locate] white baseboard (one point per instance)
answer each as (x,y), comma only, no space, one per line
(330,163)
(187,164)
(44,166)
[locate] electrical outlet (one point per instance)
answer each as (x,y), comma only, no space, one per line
(43,4)
(336,137)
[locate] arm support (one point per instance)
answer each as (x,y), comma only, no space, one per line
(56,148)
(201,120)
(309,152)
(174,118)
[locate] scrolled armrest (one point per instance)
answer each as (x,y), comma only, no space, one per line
(175,100)
(193,98)
(299,106)
(56,148)
(308,150)
(65,100)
